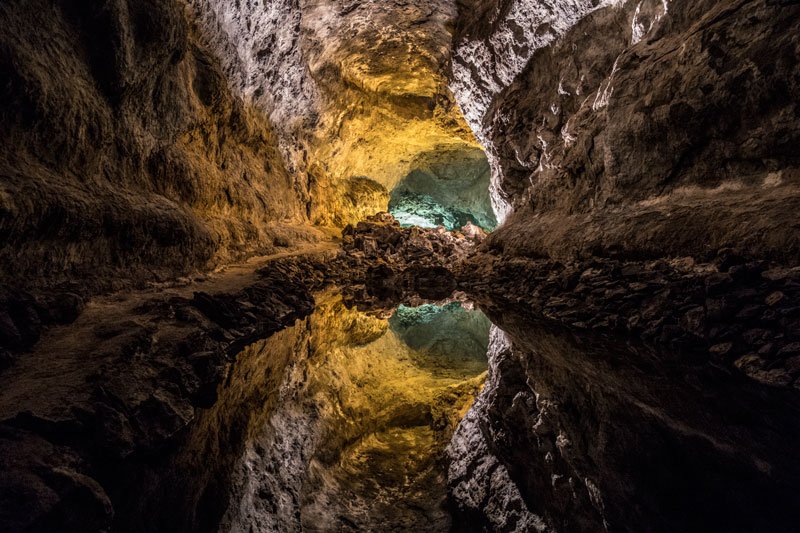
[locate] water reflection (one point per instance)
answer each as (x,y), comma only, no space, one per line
(362,416)
(341,422)
(597,435)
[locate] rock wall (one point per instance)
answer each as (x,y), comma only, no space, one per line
(124,153)
(356,90)
(648,128)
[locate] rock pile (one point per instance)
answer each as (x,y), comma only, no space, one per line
(390,260)
(737,311)
(381,238)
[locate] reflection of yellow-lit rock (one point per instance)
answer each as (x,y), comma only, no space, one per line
(342,426)
(388,417)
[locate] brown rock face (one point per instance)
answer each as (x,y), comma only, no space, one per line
(356,90)
(124,153)
(649,132)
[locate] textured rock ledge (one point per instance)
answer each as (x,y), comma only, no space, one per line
(733,310)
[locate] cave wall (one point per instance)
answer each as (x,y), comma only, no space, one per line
(645,128)
(124,153)
(356,90)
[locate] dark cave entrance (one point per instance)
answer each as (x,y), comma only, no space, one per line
(447,187)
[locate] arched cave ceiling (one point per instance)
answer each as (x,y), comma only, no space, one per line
(370,97)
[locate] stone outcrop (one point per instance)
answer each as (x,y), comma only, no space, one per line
(735,312)
(124,155)
(650,128)
(641,151)
(356,90)
(392,263)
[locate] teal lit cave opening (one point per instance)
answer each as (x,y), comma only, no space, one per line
(453,337)
(447,187)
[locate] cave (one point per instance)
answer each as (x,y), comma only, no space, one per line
(399,265)
(448,188)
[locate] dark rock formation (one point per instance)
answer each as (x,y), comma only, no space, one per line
(733,311)
(573,433)
(394,263)
(123,386)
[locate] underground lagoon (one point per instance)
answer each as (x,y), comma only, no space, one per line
(399,265)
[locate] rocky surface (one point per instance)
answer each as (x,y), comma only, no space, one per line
(357,90)
(447,188)
(23,317)
(124,155)
(734,311)
(394,263)
(129,374)
(643,165)
(649,128)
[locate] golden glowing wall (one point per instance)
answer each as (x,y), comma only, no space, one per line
(380,69)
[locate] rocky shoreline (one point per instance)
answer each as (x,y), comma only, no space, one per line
(126,392)
(736,311)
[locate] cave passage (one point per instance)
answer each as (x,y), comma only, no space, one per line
(403,266)
(447,187)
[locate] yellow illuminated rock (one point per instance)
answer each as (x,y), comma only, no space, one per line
(337,417)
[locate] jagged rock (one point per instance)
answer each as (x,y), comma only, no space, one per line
(636,128)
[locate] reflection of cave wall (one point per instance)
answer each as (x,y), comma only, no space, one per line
(569,431)
(329,425)
(448,188)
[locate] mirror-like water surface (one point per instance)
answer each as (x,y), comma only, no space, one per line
(389,421)
(364,407)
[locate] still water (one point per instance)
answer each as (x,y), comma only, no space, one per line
(363,404)
(431,417)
